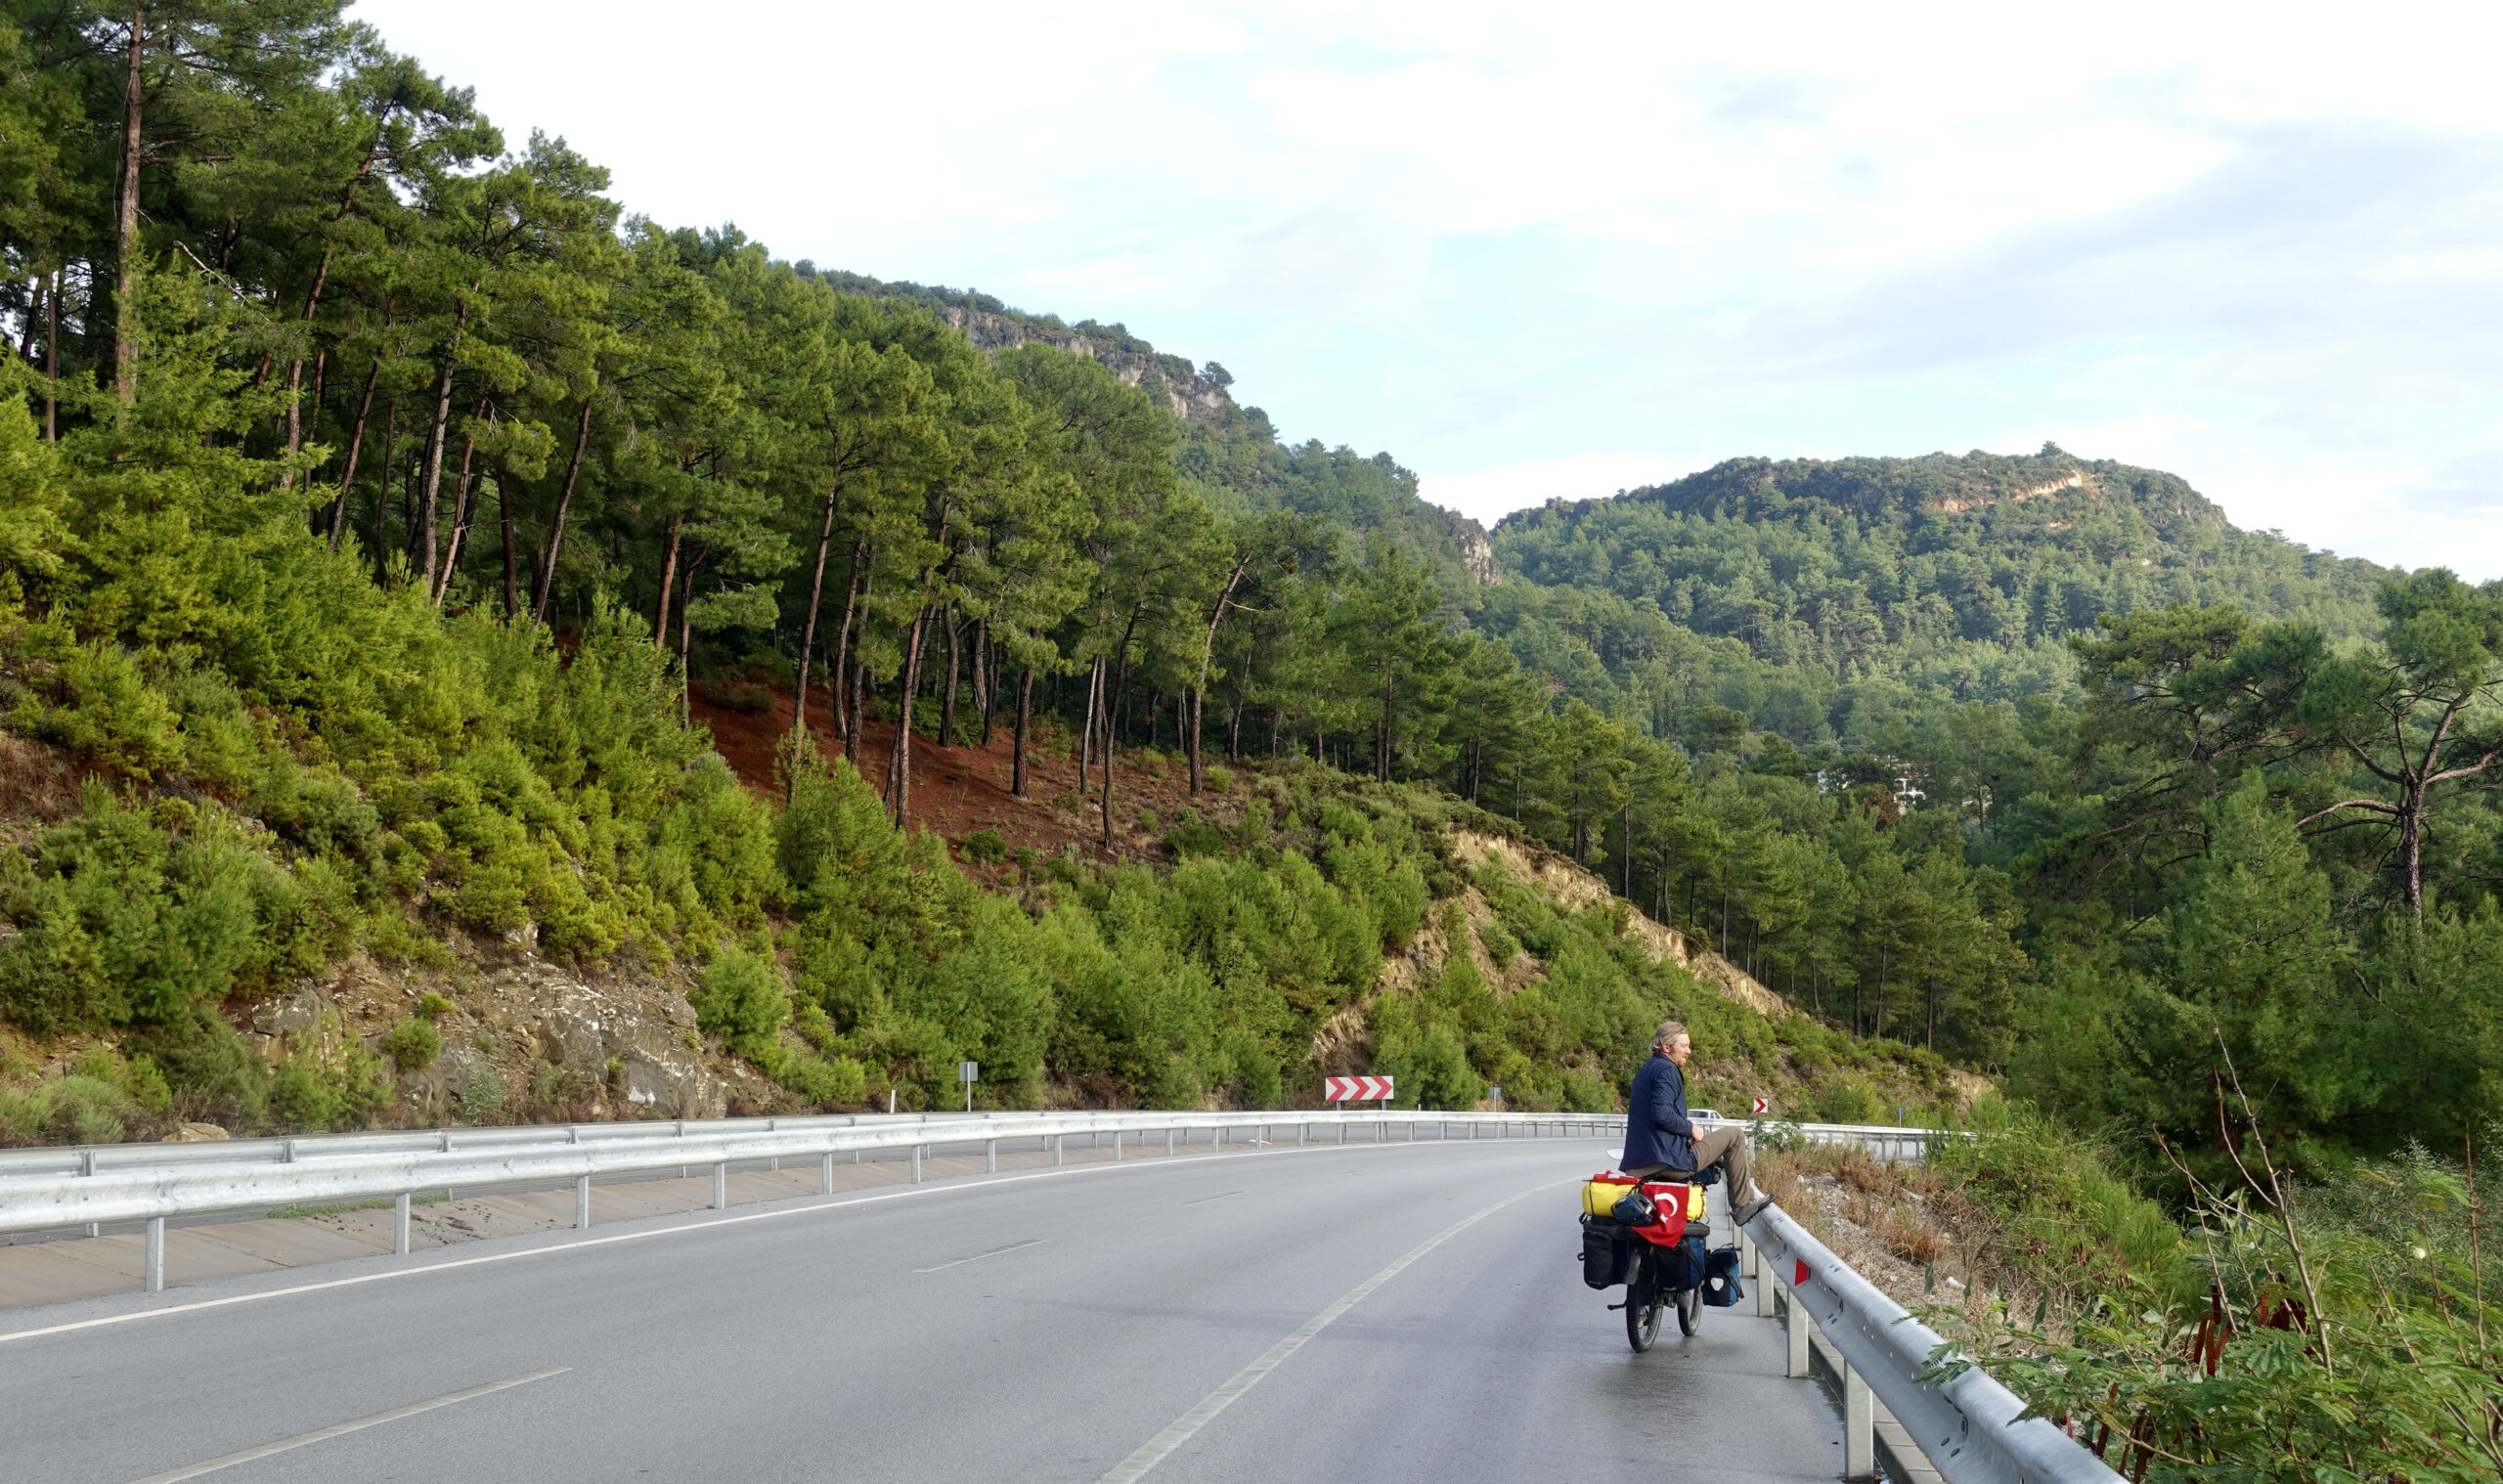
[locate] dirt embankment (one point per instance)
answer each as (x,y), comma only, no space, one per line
(1570,886)
(960,789)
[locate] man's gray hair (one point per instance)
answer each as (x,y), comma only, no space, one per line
(1668,1033)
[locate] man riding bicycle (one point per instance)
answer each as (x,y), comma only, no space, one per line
(1661,1141)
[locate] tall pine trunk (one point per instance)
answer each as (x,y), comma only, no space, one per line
(1025,707)
(503,518)
(984,691)
(356,446)
(947,702)
(438,434)
(52,363)
(808,633)
(900,756)
(847,714)
(1086,729)
(463,494)
(669,575)
(556,526)
(382,484)
(126,217)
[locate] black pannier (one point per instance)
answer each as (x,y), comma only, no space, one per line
(1607,1254)
(1721,1277)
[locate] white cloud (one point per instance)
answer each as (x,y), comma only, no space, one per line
(2263,244)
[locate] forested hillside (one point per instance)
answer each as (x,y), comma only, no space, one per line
(420,576)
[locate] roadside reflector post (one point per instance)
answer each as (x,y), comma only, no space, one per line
(1216,1138)
(722,1186)
(1303,1134)
(991,1158)
(153,1268)
(1117,1145)
(1169,1140)
(1859,1427)
(1798,1335)
(400,1225)
(1059,1154)
(826,1175)
(916,1164)
(581,1203)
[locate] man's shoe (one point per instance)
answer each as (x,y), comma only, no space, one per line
(1751,1210)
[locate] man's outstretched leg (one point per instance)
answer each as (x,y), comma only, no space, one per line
(1727,1147)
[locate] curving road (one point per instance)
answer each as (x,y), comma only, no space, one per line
(1394,1312)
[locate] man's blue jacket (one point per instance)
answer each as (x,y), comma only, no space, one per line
(1656,1129)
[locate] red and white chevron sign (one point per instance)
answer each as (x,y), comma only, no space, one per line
(1355,1089)
(1764,1105)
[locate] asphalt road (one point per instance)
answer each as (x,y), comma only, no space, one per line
(1187,1321)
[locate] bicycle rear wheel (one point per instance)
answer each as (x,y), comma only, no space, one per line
(1644,1306)
(1689,1311)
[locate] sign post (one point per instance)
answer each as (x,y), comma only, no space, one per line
(969,1073)
(1495,1095)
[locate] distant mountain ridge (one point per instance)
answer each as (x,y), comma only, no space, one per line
(1869,566)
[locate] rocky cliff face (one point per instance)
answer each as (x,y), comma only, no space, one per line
(1476,551)
(1190,395)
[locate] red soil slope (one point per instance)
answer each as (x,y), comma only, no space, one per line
(957,790)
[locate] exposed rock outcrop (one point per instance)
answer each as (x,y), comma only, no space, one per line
(1190,395)
(1476,551)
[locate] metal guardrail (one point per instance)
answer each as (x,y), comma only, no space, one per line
(1967,1426)
(150,1183)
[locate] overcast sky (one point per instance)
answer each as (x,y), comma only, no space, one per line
(1538,254)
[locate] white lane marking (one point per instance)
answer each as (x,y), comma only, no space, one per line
(1205,1199)
(716,1224)
(1014,1247)
(339,1430)
(1153,1451)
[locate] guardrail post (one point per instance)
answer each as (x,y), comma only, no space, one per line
(581,1203)
(1764,1281)
(722,1186)
(1859,1427)
(826,1175)
(153,1266)
(1216,1139)
(1799,1322)
(1303,1135)
(990,1156)
(400,1225)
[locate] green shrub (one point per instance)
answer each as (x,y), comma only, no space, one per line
(1847,1097)
(483,1095)
(137,1078)
(1499,945)
(104,708)
(839,1080)
(413,1045)
(984,846)
(1148,823)
(745,697)
(434,1007)
(212,1070)
(326,1088)
(1196,840)
(1218,777)
(742,1001)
